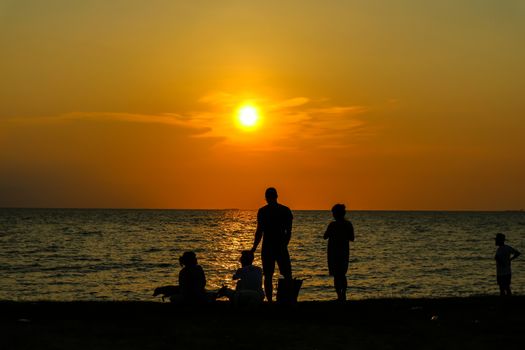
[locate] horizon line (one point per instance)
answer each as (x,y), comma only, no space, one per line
(252,209)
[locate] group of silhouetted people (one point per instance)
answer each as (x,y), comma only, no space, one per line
(274,229)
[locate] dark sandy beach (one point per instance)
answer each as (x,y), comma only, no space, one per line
(454,323)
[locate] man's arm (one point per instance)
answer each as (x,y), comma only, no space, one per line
(328,232)
(288,234)
(515,254)
(257,238)
(288,228)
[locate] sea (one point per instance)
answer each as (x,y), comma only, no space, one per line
(117,254)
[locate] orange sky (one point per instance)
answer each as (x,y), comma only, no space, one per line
(377,104)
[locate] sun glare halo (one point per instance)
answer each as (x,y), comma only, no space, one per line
(248,116)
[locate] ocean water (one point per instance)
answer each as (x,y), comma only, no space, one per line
(57,254)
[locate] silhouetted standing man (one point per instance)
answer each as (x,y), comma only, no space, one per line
(274,227)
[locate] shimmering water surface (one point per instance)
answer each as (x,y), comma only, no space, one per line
(55,254)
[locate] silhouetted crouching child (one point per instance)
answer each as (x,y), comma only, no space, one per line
(504,255)
(339,233)
(248,290)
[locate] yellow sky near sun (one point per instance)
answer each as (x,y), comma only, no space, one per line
(378,104)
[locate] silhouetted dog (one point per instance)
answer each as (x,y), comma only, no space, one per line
(166,291)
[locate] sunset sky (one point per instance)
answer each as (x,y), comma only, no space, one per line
(402,105)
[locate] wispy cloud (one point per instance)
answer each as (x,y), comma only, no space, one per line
(286,124)
(171,119)
(318,123)
(290,103)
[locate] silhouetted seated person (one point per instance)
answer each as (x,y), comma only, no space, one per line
(339,233)
(248,290)
(192,282)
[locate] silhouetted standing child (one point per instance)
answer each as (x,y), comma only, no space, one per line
(339,233)
(504,255)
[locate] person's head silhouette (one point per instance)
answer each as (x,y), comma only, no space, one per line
(246,257)
(500,239)
(188,259)
(339,211)
(271,195)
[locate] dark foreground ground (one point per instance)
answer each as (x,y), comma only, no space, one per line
(457,323)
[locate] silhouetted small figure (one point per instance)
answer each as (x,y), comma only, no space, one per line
(504,255)
(249,277)
(192,281)
(248,290)
(339,233)
(274,228)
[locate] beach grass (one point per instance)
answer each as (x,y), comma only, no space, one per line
(452,323)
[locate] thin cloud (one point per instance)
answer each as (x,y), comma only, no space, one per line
(326,126)
(293,102)
(171,119)
(287,124)
(221,99)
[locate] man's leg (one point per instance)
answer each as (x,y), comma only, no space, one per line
(507,287)
(337,286)
(500,285)
(268,262)
(501,290)
(340,286)
(344,285)
(268,287)
(504,285)
(509,292)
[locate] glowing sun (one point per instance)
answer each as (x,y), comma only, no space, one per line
(248,116)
